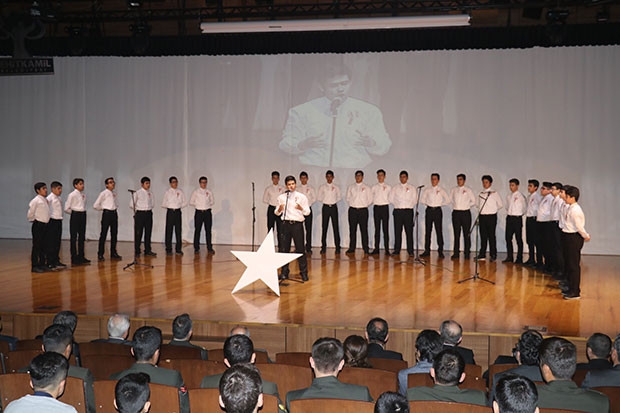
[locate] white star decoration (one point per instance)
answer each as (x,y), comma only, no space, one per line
(263,265)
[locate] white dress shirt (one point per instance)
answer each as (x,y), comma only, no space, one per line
(359,195)
(39,209)
(575,220)
(403,196)
(290,201)
(55,204)
(533,201)
(202,199)
(174,199)
(516,204)
(381,194)
(329,194)
(144,200)
(309,192)
(462,198)
(271,194)
(76,201)
(544,209)
(556,208)
(106,200)
(493,204)
(435,196)
(563,209)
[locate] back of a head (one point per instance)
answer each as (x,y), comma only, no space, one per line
(449,367)
(181,326)
(240,330)
(146,341)
(377,330)
(56,338)
(528,345)
(327,353)
(451,332)
(391,402)
(132,392)
(516,394)
(356,351)
(617,345)
(66,318)
(429,344)
(118,325)
(238,349)
(600,344)
(240,388)
(560,355)
(48,370)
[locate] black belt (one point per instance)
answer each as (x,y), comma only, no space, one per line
(330,205)
(430,207)
(143,210)
(289,221)
(110,210)
(359,208)
(203,210)
(515,216)
(174,209)
(78,212)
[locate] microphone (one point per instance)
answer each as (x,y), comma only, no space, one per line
(132,191)
(336,102)
(288,191)
(421,186)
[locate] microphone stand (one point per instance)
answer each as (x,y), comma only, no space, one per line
(135,261)
(417,258)
(334,113)
(280,236)
(253,215)
(476,227)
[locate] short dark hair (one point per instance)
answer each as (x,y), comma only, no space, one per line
(55,184)
(238,349)
(145,179)
(461,176)
(515,181)
(380,171)
(146,341)
(327,353)
(429,344)
(600,344)
(202,178)
(547,184)
(488,178)
(356,351)
(331,70)
(527,346)
(66,318)
(56,338)
(275,173)
(76,181)
(181,326)
(558,185)
(289,178)
(302,174)
(560,355)
(392,402)
(516,394)
(534,182)
(377,330)
(449,367)
(48,369)
(573,192)
(172,178)
(359,171)
(436,175)
(617,344)
(451,332)
(107,180)
(38,186)
(329,172)
(240,386)
(403,172)
(132,392)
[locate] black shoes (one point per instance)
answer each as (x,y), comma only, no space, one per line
(493,258)
(150,254)
(179,253)
(100,258)
(454,257)
(304,277)
(322,251)
(374,252)
(425,254)
(507,260)
(116,257)
(519,261)
(39,270)
(283,277)
(440,254)
(350,251)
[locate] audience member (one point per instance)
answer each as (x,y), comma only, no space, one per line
(182,330)
(356,352)
(428,345)
(118,330)
(598,349)
(377,334)
(452,335)
(327,360)
(515,394)
(391,402)
(606,377)
(69,318)
(558,361)
(241,389)
(239,329)
(48,375)
(447,372)
(132,394)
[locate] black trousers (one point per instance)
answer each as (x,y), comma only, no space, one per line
(533,244)
(273,221)
(381,217)
(37,255)
(293,230)
(77,232)
(403,220)
(53,234)
(358,217)
(330,212)
(547,235)
(514,227)
(143,224)
(173,222)
(202,218)
(109,221)
(488,223)
(571,249)
(308,229)
(461,222)
(556,249)
(434,216)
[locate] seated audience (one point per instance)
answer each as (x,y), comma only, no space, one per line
(132,394)
(428,344)
(48,375)
(598,349)
(182,330)
(68,318)
(606,377)
(378,335)
(118,330)
(327,360)
(238,329)
(515,394)
(356,352)
(452,335)
(558,361)
(241,389)
(145,349)
(447,372)
(391,402)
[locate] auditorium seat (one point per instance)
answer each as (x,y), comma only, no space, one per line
(75,394)
(331,405)
(294,358)
(104,395)
(100,348)
(103,366)
(499,368)
(472,381)
(4,349)
(16,360)
(442,407)
(614,397)
(13,386)
(579,376)
(377,381)
(207,400)
(193,371)
(169,351)
(29,344)
(286,376)
(164,399)
(388,364)
(217,354)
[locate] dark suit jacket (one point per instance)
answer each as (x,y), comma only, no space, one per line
(113,341)
(329,388)
(602,378)
(467,354)
(159,375)
(376,351)
(447,394)
(595,364)
(564,394)
(203,352)
(213,382)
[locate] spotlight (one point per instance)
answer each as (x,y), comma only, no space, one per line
(134,4)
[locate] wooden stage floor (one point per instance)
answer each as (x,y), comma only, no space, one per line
(344,291)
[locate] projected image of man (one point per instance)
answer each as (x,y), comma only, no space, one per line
(335,130)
